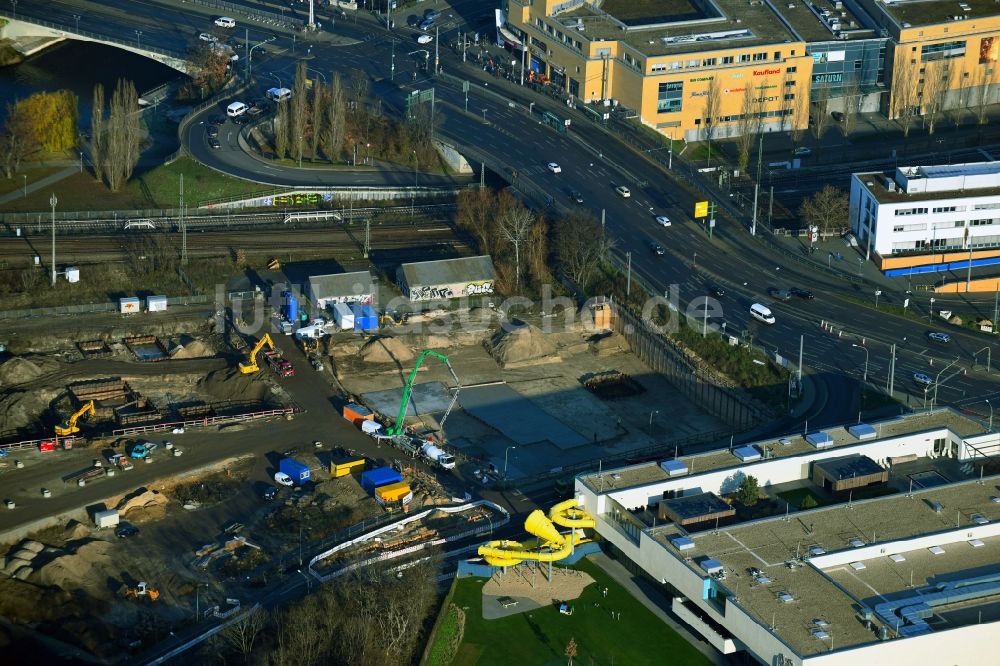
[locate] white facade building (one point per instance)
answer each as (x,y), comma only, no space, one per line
(903,578)
(926,209)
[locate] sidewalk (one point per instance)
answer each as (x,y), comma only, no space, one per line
(657,603)
(43,183)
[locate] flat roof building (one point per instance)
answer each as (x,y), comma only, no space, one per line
(848,473)
(325,290)
(830,585)
(446,278)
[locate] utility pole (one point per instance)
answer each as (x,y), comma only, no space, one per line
(770,208)
(482,175)
(892,371)
(628,285)
(437,56)
(802,342)
(368,235)
(52,202)
(183,225)
(756,186)
(523,56)
(392,67)
(603,211)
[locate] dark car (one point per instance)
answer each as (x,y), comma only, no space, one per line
(576,196)
(938,336)
(838,116)
(716,290)
(216,120)
(214,144)
(126,530)
(270,492)
(802,293)
(657,249)
(780,294)
(243,120)
(211,131)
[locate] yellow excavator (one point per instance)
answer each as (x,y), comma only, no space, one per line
(70,427)
(250,366)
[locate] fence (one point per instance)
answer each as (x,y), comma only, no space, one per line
(207,421)
(67,442)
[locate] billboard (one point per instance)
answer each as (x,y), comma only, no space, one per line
(988,50)
(701,209)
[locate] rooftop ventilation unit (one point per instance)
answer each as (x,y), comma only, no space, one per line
(747,453)
(819,440)
(862,431)
(674,467)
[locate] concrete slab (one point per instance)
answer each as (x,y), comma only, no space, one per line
(429,398)
(520,419)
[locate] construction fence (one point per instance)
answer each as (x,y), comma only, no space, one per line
(286,412)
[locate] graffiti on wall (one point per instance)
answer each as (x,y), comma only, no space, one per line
(430,293)
(298,199)
(479,288)
(364,299)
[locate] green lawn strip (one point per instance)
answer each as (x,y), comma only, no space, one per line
(541,636)
(797,496)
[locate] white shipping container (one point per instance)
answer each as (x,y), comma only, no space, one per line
(343,316)
(129,305)
(156,303)
(72,274)
(107,518)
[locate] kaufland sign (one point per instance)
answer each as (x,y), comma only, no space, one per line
(766,72)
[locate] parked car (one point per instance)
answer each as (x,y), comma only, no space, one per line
(208,37)
(211,131)
(802,151)
(553,167)
(938,336)
(225,22)
(283,479)
(424,39)
(802,293)
(126,530)
(270,492)
(576,196)
(217,120)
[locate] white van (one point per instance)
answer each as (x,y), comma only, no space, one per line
(279,94)
(761,313)
(236,109)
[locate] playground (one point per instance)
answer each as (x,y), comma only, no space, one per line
(608,625)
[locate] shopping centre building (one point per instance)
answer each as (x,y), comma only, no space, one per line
(697,69)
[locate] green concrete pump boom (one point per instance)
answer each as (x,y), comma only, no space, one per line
(397,427)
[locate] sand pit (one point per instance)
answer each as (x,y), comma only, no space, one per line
(146,505)
(386,350)
(566,585)
(519,342)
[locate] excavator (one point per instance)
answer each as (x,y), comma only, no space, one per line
(70,427)
(250,366)
(396,428)
(553,545)
(142,591)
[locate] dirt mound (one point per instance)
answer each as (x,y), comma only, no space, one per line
(606,345)
(23,602)
(146,505)
(386,350)
(23,409)
(18,370)
(74,569)
(518,342)
(193,349)
(33,546)
(231,384)
(75,530)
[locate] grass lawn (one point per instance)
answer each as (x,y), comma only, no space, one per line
(156,188)
(540,636)
(34,175)
(797,496)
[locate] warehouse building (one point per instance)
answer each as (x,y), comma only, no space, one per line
(325,290)
(907,576)
(922,217)
(702,69)
(447,278)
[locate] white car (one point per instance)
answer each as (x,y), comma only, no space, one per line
(283,479)
(623,192)
(225,22)
(424,39)
(922,380)
(663,220)
(553,167)
(206,37)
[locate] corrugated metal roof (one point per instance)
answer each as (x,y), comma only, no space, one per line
(448,271)
(341,284)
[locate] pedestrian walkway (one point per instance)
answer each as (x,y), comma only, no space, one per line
(657,603)
(41,184)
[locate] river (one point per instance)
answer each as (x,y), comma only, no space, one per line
(77,66)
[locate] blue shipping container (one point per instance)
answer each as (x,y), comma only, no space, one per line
(365,317)
(381,476)
(291,306)
(298,472)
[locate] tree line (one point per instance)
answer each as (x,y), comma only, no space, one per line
(44,122)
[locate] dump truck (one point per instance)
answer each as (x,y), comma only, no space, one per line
(277,363)
(437,455)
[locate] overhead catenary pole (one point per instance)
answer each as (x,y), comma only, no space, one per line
(183,226)
(52,202)
(756,186)
(628,285)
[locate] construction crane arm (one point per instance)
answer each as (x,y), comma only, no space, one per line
(397,427)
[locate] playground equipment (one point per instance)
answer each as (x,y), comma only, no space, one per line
(554,546)
(397,428)
(251,366)
(70,427)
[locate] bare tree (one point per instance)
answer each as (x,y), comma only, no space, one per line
(280,125)
(123,135)
(933,93)
(904,102)
(570,651)
(476,212)
(242,633)
(316,121)
(818,112)
(710,114)
(332,137)
(852,98)
(297,124)
(827,209)
(749,125)
(514,225)
(538,251)
(964,101)
(985,83)
(359,88)
(97,130)
(580,246)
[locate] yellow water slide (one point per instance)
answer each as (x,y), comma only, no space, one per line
(553,547)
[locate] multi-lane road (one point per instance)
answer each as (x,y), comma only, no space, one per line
(499,129)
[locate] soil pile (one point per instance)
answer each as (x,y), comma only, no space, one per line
(193,349)
(18,370)
(231,384)
(519,342)
(23,409)
(386,350)
(606,345)
(74,569)
(145,505)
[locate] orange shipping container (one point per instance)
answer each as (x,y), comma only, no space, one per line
(393,492)
(356,414)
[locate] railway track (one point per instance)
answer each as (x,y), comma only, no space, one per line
(14,252)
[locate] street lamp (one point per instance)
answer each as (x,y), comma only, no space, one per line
(14,5)
(932,308)
(505,453)
(991,412)
(651,414)
(250,57)
(52,202)
(77,17)
(138,36)
(25,176)
(865,379)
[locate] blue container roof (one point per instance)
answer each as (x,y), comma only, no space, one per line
(292,462)
(382,474)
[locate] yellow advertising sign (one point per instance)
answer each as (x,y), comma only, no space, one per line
(701,209)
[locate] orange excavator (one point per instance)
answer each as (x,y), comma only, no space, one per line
(142,591)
